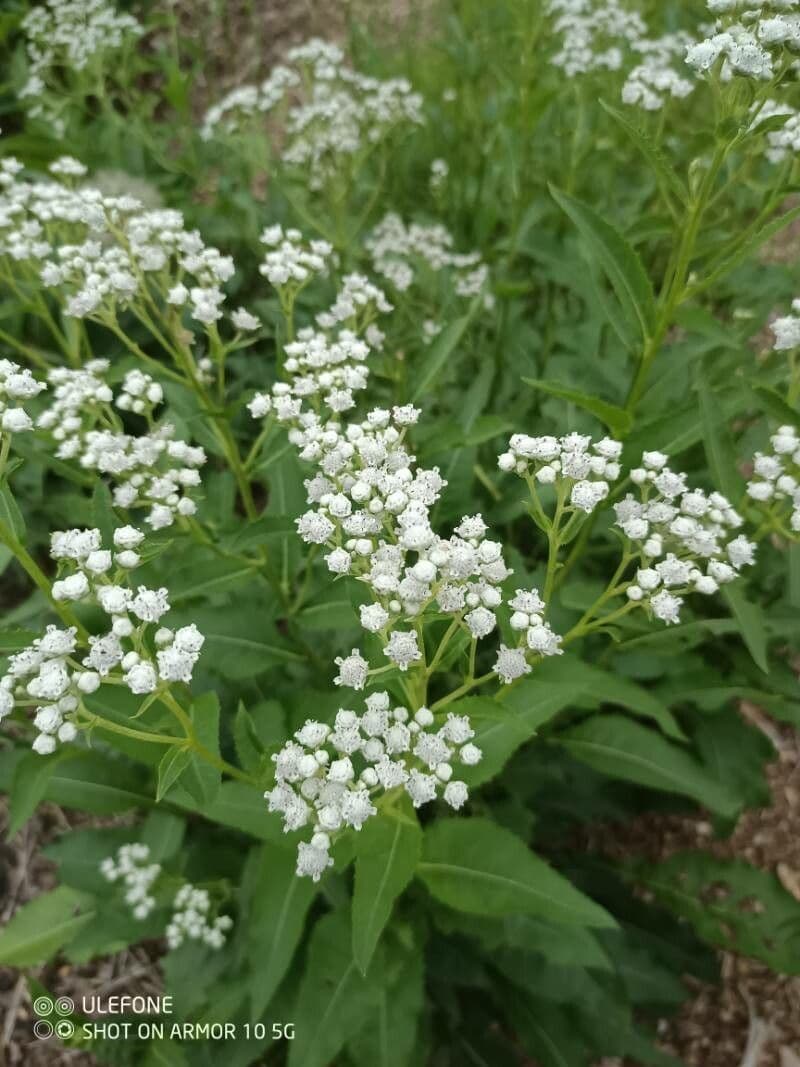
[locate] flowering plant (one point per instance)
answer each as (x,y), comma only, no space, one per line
(369,536)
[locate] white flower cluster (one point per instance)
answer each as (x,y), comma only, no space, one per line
(190,919)
(40,673)
(49,671)
(328,777)
(787,330)
(100,252)
(291,262)
(370,507)
(399,251)
(783,142)
(595,34)
(330,111)
(681,536)
(151,470)
(749,39)
(776,475)
(585,468)
(139,393)
(320,369)
(439,172)
(131,867)
(16,384)
(653,81)
(97,574)
(357,302)
(68,35)
(528,619)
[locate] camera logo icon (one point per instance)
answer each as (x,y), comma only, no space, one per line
(43,1028)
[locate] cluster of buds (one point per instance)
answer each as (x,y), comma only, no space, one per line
(329,778)
(776,475)
(191,920)
(682,537)
(585,469)
(130,866)
(51,670)
(16,384)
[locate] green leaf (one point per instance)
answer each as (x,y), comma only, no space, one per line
(204,780)
(616,419)
(719,447)
(793,590)
(750,620)
(565,946)
(31,776)
(333,998)
(43,926)
(78,856)
(164,1053)
(95,784)
(389,1036)
(173,763)
(440,352)
(661,168)
(249,749)
(742,251)
(501,727)
(14,639)
(774,404)
(388,849)
(237,805)
(736,754)
(103,517)
(10,515)
(280,904)
(620,748)
(731,904)
(206,577)
(477,866)
(619,261)
(239,641)
(598,686)
(163,833)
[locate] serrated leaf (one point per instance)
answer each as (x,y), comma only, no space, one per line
(620,748)
(619,261)
(661,168)
(388,849)
(731,904)
(774,404)
(501,727)
(173,763)
(204,779)
(750,621)
(474,865)
(389,1035)
(281,901)
(597,686)
(333,996)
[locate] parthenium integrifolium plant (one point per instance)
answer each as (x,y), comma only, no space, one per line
(370,515)
(275,426)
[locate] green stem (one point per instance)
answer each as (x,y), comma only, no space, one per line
(169,701)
